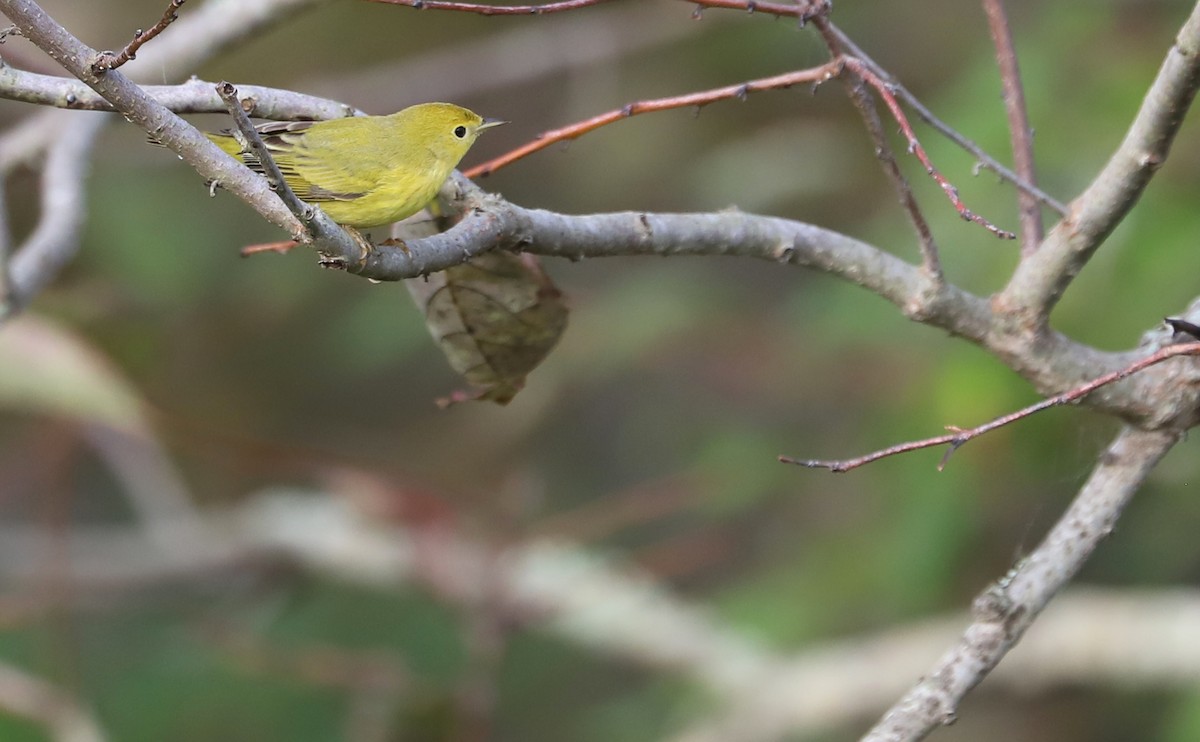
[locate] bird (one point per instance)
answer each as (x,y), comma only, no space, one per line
(367,171)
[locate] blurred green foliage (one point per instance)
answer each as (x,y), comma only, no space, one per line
(268,369)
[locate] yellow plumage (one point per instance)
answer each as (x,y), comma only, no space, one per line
(368,171)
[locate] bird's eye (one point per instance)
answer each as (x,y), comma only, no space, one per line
(460,131)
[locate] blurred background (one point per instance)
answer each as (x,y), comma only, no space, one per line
(167,398)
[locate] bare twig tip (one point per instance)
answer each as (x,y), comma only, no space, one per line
(106,61)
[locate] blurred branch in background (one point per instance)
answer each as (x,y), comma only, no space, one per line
(1117,637)
(56,239)
(461,69)
(1088,637)
(49,370)
(60,715)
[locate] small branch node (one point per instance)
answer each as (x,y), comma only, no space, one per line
(106,61)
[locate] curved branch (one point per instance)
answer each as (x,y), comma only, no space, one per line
(55,240)
(491,223)
(32,698)
(1003,612)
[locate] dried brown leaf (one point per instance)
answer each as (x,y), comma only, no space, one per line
(495,318)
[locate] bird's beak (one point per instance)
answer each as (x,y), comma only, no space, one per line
(489,123)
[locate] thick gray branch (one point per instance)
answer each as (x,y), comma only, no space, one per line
(493,223)
(1007,609)
(198,36)
(195,38)
(1041,278)
(1166,395)
(167,128)
(193,96)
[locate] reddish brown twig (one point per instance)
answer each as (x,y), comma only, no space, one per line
(866,75)
(282,247)
(958,436)
(545,139)
(539,9)
(914,103)
(801,10)
(1018,122)
(930,261)
(109,61)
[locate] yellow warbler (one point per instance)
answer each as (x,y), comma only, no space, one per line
(369,170)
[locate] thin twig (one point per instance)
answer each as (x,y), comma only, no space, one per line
(958,436)
(109,61)
(1018,122)
(930,261)
(815,75)
(858,67)
(540,9)
(942,127)
(254,144)
(802,10)
(317,222)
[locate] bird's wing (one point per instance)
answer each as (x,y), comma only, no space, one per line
(316,161)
